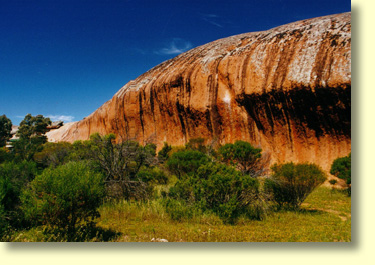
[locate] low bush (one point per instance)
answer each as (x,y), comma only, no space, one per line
(197,144)
(163,154)
(290,183)
(222,190)
(186,162)
(153,175)
(341,168)
(64,197)
(53,154)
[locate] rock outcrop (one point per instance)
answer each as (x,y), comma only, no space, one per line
(286,90)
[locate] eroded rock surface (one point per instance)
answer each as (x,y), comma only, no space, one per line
(286,90)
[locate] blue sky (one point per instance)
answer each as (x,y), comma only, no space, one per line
(64,59)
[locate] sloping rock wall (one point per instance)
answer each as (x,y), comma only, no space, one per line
(286,90)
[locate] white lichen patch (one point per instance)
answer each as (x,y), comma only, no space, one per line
(227,98)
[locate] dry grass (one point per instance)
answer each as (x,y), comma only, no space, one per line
(325,216)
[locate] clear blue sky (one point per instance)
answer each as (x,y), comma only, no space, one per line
(64,59)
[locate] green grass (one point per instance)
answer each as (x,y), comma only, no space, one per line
(325,216)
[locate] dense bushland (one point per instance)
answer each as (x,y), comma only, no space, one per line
(59,187)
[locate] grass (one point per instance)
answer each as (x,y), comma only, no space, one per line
(325,216)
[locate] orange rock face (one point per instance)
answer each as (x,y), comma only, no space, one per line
(286,90)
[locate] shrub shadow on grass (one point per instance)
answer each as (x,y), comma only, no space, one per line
(298,210)
(310,211)
(84,233)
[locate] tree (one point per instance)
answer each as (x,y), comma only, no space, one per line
(32,136)
(243,155)
(33,127)
(121,163)
(5,129)
(64,196)
(290,184)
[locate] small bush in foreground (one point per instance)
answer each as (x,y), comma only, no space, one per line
(219,189)
(290,183)
(65,196)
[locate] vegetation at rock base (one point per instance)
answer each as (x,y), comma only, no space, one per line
(243,156)
(341,168)
(96,190)
(324,217)
(186,162)
(290,184)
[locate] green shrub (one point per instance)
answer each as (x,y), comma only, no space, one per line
(186,162)
(185,189)
(153,175)
(80,150)
(197,144)
(242,155)
(3,220)
(220,189)
(13,178)
(5,130)
(53,154)
(290,183)
(341,168)
(65,196)
(163,154)
(5,155)
(24,149)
